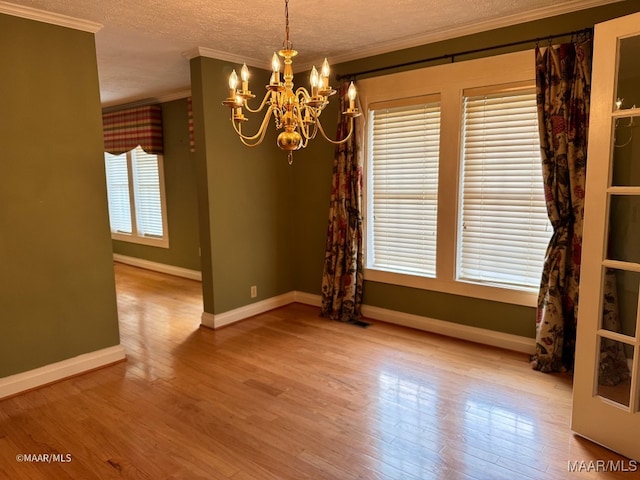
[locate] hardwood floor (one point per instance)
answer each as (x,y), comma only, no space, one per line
(289,395)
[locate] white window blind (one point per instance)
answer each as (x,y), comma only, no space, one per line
(136,197)
(504,230)
(404,156)
(118,193)
(146,181)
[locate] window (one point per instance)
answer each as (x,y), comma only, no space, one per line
(405,138)
(504,227)
(135,190)
(454,195)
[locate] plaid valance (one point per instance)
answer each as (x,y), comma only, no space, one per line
(125,129)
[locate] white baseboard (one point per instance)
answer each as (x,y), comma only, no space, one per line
(158,267)
(464,332)
(22,382)
(450,329)
(242,313)
(307,298)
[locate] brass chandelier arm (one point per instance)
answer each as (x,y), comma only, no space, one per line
(262,104)
(247,144)
(336,142)
(305,127)
(302,94)
(316,104)
(308,133)
(237,126)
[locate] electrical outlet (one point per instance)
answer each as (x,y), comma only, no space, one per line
(254,291)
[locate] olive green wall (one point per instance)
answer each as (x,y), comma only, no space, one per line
(245,197)
(313,178)
(312,170)
(57,293)
(181,196)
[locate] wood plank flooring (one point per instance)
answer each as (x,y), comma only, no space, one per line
(289,395)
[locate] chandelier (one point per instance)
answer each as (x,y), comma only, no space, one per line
(295,111)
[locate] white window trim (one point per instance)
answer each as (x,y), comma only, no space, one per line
(449,81)
(134,237)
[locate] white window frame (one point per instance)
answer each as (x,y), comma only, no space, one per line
(135,236)
(449,81)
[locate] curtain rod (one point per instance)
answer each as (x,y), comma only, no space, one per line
(577,33)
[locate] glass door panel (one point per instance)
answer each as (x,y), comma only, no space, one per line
(626,151)
(620,301)
(627,91)
(624,228)
(614,379)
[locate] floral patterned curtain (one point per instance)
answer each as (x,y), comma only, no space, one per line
(563,82)
(563,90)
(342,279)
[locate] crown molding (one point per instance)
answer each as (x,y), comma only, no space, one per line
(171,96)
(162,98)
(49,17)
(456,32)
(233,58)
(414,41)
(226,56)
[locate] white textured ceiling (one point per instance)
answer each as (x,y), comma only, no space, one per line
(141,45)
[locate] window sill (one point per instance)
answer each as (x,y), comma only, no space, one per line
(467,289)
(149,241)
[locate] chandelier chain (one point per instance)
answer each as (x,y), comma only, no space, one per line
(286,44)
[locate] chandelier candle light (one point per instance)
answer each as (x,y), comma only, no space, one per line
(296,112)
